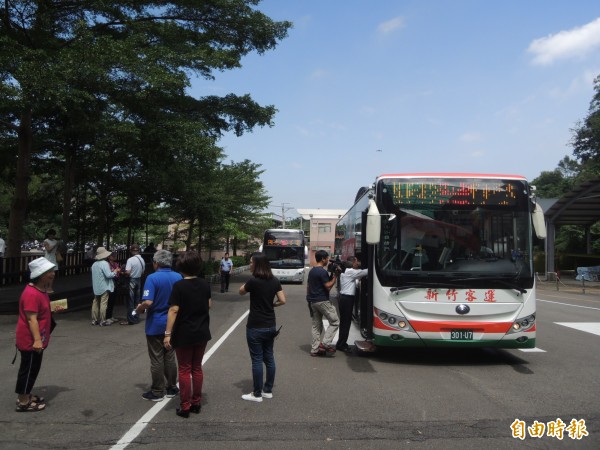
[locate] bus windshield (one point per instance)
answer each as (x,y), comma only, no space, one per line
(454,230)
(284,248)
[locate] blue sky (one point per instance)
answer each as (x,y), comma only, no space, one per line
(364,88)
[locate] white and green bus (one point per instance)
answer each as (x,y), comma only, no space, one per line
(449,257)
(286,251)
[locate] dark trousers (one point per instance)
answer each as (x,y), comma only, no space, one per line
(112,298)
(346,305)
(260,344)
(224,281)
(31,362)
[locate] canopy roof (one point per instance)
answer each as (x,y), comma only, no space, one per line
(580,206)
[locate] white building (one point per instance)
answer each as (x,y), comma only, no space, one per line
(321,235)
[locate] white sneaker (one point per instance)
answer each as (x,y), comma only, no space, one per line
(267,394)
(251,397)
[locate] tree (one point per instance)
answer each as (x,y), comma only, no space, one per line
(586,136)
(109,59)
(556,183)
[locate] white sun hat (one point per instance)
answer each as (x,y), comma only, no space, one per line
(39,267)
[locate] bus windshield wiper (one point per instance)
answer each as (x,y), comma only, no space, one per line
(415,285)
(505,281)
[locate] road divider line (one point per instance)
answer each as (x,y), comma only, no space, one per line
(139,426)
(569,304)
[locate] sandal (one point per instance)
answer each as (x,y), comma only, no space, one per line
(34,398)
(30,407)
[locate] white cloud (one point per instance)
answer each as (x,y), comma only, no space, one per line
(471,137)
(577,42)
(319,74)
(391,25)
(582,83)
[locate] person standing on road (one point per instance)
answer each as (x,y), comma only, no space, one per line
(2,250)
(226,268)
(134,269)
(112,296)
(261,328)
(155,301)
(346,299)
(103,285)
(34,326)
(188,330)
(317,294)
(50,248)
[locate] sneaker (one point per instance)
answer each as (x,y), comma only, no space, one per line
(267,394)
(251,397)
(172,392)
(327,349)
(318,353)
(106,323)
(151,397)
(95,322)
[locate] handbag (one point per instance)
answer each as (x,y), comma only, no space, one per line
(59,256)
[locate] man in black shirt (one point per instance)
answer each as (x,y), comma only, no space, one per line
(318,286)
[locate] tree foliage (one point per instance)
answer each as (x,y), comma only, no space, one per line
(586,137)
(94,101)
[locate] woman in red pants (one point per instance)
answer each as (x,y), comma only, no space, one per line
(188,330)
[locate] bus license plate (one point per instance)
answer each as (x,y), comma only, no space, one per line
(461,335)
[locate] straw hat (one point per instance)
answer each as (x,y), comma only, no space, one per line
(39,267)
(102,253)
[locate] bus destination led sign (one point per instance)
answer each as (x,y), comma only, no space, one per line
(454,192)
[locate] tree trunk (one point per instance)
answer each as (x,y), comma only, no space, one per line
(69,182)
(190,232)
(18,206)
(199,236)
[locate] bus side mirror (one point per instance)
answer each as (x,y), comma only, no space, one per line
(373,223)
(537,217)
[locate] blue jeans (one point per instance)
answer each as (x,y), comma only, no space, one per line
(260,344)
(135,295)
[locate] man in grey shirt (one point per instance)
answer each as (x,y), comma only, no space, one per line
(134,268)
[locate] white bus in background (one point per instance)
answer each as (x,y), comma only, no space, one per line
(286,251)
(449,257)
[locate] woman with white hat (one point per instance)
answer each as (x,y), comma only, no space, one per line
(33,332)
(103,285)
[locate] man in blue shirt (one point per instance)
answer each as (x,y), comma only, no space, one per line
(155,301)
(226,267)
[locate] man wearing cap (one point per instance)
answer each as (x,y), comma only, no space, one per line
(102,283)
(155,302)
(134,268)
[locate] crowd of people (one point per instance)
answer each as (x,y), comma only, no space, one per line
(176,303)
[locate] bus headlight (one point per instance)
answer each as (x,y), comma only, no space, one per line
(393,320)
(522,324)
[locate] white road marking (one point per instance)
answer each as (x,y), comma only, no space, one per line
(139,426)
(588,327)
(532,350)
(568,304)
